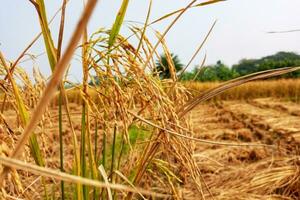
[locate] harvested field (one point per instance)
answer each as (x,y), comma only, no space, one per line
(229,169)
(239,172)
(285,89)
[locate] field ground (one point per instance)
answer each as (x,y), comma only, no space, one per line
(249,172)
(240,172)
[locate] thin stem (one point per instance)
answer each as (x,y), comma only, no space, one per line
(61,145)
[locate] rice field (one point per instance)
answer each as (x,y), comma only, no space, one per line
(245,150)
(286,89)
(136,136)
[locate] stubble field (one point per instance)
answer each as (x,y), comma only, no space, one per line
(250,148)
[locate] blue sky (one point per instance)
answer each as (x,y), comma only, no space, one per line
(241,30)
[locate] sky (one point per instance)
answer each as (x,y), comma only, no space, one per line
(240,32)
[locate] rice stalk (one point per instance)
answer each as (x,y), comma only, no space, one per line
(182,9)
(200,69)
(36,152)
(197,51)
(84,125)
(46,172)
(17,61)
(24,115)
(56,78)
(144,29)
(59,46)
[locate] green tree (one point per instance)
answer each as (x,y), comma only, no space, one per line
(246,66)
(186,76)
(223,72)
(162,66)
(209,74)
(278,60)
(217,72)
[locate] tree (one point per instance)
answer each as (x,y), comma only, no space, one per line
(209,74)
(278,60)
(246,66)
(163,68)
(223,72)
(217,72)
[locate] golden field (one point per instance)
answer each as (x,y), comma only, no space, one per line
(285,89)
(244,148)
(288,89)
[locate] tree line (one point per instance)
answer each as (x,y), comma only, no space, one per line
(222,72)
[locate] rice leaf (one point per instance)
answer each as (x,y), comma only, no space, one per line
(118,23)
(49,44)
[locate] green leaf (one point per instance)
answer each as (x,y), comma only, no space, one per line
(118,23)
(49,44)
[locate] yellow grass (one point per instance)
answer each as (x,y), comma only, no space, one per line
(288,89)
(282,88)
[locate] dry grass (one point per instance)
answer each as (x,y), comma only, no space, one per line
(286,89)
(247,172)
(282,88)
